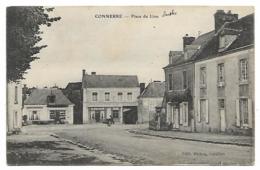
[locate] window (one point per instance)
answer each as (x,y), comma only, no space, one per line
(221,77)
(184,113)
(203,114)
(221,103)
(116,114)
(129,96)
(120,96)
(203,76)
(16,95)
(107,96)
(170,82)
(184,79)
(94,96)
(243,104)
(57,114)
(34,115)
(51,99)
(243,70)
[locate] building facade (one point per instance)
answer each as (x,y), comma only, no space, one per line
(224,80)
(47,106)
(149,99)
(14,107)
(106,96)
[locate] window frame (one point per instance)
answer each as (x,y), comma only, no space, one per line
(94,96)
(107,96)
(16,95)
(184,80)
(129,96)
(243,74)
(120,96)
(203,77)
(221,72)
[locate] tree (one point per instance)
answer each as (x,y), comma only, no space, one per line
(23,34)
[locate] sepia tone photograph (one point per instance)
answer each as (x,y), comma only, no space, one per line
(130,85)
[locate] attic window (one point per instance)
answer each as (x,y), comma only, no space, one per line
(225,41)
(51,99)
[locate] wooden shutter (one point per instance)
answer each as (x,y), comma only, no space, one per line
(207,111)
(198,114)
(181,113)
(250,114)
(237,113)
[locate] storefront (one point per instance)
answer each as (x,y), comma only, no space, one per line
(100,114)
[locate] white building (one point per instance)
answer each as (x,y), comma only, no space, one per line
(44,105)
(106,96)
(14,107)
(151,97)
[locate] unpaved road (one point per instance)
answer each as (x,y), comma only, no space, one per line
(116,142)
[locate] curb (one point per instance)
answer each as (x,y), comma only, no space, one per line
(71,142)
(191,139)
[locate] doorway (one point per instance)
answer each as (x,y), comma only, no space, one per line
(97,116)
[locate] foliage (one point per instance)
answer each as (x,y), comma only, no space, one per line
(23,34)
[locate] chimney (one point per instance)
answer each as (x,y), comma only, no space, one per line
(142,87)
(221,17)
(83,72)
(93,73)
(187,40)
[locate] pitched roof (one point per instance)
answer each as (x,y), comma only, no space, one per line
(74,85)
(39,97)
(108,81)
(154,89)
(200,42)
(209,42)
(245,37)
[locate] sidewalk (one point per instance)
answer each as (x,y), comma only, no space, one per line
(199,137)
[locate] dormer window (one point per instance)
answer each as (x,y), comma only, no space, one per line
(225,41)
(51,99)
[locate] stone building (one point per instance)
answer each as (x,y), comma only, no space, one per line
(151,97)
(189,86)
(45,105)
(224,77)
(106,96)
(14,107)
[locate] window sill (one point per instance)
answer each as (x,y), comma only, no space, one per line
(221,84)
(243,82)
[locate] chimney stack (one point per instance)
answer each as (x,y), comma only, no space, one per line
(187,40)
(142,87)
(221,18)
(83,72)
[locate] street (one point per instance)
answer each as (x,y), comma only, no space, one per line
(148,150)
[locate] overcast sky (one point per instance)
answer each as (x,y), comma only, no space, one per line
(126,46)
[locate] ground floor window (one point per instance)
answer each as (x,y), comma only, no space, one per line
(184,113)
(243,104)
(34,115)
(203,114)
(57,114)
(116,114)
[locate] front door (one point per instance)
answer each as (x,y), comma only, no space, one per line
(97,116)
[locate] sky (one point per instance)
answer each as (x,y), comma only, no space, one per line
(120,46)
